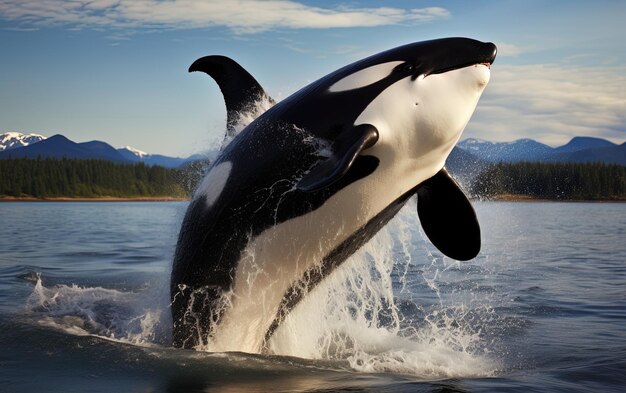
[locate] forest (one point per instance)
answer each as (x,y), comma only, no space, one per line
(50,178)
(562,181)
(53,178)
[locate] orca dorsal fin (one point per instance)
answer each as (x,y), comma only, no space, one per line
(240,90)
(448,218)
(345,150)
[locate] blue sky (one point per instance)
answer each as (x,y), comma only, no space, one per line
(116,70)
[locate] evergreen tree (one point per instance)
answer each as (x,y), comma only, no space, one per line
(568,181)
(45,178)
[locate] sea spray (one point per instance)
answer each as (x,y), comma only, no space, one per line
(107,313)
(244,117)
(368,313)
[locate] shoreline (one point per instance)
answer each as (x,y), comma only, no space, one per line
(527,198)
(497,198)
(97,199)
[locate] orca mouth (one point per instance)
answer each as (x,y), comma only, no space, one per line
(485,55)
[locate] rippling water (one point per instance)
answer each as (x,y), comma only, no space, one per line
(84,307)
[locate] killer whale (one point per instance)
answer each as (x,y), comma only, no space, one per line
(313,178)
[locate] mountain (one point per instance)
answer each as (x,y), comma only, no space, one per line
(519,150)
(468,158)
(13,140)
(136,155)
(18,145)
(615,154)
(103,150)
(579,149)
(58,146)
(583,143)
(132,154)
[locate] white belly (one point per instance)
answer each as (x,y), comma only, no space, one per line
(278,258)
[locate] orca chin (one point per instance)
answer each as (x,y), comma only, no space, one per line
(312,179)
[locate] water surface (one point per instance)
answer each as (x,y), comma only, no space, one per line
(84,307)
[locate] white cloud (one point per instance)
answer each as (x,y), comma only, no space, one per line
(20,29)
(552,103)
(241,16)
(510,50)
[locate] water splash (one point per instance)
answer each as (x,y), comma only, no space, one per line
(374,312)
(96,311)
(247,116)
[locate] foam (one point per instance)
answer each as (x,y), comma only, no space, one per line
(95,311)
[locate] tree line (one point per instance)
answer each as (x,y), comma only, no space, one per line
(566,181)
(49,178)
(46,178)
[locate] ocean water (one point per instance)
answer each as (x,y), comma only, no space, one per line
(84,307)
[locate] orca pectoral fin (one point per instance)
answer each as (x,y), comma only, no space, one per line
(448,217)
(239,88)
(346,149)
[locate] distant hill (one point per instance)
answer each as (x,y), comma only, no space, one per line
(104,150)
(615,154)
(580,143)
(135,155)
(519,150)
(578,150)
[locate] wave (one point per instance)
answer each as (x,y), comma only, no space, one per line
(126,317)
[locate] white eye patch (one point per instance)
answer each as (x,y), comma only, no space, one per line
(365,77)
(214,182)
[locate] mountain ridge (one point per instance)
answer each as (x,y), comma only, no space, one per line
(468,152)
(578,149)
(18,145)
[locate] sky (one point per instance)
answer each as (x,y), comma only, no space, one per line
(116,70)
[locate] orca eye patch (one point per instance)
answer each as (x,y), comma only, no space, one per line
(365,77)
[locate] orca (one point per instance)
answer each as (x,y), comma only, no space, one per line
(313,178)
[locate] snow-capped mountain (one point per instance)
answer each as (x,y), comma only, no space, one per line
(18,145)
(136,155)
(13,140)
(132,154)
(58,146)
